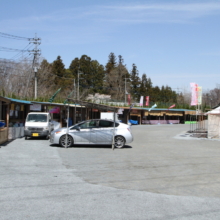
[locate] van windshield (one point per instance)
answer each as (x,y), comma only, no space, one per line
(37,118)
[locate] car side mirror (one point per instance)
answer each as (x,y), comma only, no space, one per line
(77,128)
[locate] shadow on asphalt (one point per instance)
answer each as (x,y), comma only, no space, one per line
(29,139)
(90,146)
(36,139)
(6,143)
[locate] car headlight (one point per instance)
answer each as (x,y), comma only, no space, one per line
(26,128)
(46,128)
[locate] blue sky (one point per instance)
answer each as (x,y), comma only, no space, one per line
(172,42)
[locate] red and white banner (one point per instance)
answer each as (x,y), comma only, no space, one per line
(194,93)
(129,99)
(172,106)
(147,100)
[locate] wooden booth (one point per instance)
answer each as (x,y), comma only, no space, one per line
(4,119)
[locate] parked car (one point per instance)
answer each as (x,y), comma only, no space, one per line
(96,131)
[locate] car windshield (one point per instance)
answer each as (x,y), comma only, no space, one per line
(37,118)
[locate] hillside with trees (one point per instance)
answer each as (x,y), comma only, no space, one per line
(85,77)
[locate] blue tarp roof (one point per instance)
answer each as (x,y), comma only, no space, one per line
(53,103)
(19,101)
(163,109)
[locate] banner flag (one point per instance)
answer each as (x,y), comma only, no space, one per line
(172,106)
(141,100)
(147,100)
(54,95)
(154,106)
(55,110)
(199,91)
(194,94)
(129,99)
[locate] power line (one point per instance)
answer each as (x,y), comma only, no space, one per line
(21,53)
(7,49)
(10,36)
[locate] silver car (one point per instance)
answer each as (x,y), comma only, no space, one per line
(96,131)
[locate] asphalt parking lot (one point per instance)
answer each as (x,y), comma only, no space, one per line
(163,174)
(160,160)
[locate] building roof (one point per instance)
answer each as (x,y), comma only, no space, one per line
(215,111)
(18,101)
(163,109)
(94,105)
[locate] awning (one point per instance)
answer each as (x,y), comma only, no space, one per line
(174,113)
(93,105)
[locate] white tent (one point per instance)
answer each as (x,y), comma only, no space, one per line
(214,123)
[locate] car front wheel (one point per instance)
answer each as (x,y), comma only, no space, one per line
(66,142)
(119,142)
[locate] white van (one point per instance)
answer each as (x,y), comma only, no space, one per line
(38,124)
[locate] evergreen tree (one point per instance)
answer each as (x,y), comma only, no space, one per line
(58,69)
(97,77)
(74,68)
(115,80)
(45,77)
(89,73)
(156,94)
(111,63)
(135,83)
(143,86)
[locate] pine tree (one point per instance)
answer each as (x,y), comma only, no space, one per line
(135,83)
(58,69)
(111,63)
(45,77)
(74,67)
(115,80)
(143,86)
(89,73)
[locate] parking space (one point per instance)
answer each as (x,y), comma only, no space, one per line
(162,159)
(163,174)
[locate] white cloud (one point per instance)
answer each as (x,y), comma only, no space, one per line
(98,22)
(123,13)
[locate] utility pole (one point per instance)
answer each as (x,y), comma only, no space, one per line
(78,85)
(125,89)
(35,64)
(74,101)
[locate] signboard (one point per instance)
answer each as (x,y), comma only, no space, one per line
(120,111)
(35,107)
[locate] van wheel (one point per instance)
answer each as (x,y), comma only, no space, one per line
(25,137)
(63,141)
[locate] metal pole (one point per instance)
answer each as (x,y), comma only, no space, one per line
(78,86)
(75,102)
(125,91)
(67,126)
(35,82)
(113,138)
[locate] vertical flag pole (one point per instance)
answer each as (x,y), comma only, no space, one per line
(67,126)
(113,139)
